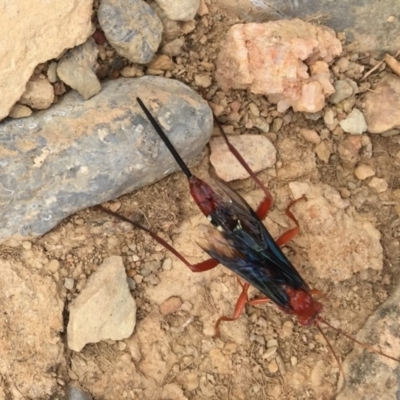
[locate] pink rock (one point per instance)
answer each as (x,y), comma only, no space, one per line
(274,59)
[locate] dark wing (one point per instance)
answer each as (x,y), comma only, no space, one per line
(244,245)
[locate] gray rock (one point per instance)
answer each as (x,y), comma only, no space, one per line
(76,69)
(369,375)
(79,153)
(132,27)
(364,21)
(343,90)
(179,10)
(354,123)
(104,309)
(74,393)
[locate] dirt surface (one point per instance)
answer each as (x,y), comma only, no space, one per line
(265,354)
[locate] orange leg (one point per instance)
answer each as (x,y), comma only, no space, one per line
(291,233)
(258,301)
(240,304)
(265,205)
(200,267)
(242,301)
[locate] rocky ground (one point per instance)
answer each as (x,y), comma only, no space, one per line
(348,249)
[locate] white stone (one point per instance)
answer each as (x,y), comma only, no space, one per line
(354,123)
(104,309)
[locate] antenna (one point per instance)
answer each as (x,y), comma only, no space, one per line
(165,139)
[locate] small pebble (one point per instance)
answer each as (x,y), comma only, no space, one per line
(217,109)
(329,116)
(379,185)
(162,62)
(27,245)
(272,343)
(343,90)
(345,193)
(270,352)
(364,171)
(152,279)
(173,48)
(313,116)
(145,272)
(203,8)
(352,185)
(167,264)
(256,388)
(277,125)
(138,278)
(310,135)
(262,125)
(121,346)
(229,129)
(254,109)
(234,117)
(343,64)
(20,111)
(131,283)
(74,393)
(190,380)
(69,283)
(115,206)
(273,367)
(150,267)
(281,364)
(293,361)
(287,329)
(354,123)
(53,266)
(203,81)
(324,150)
(173,304)
(391,132)
(52,72)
